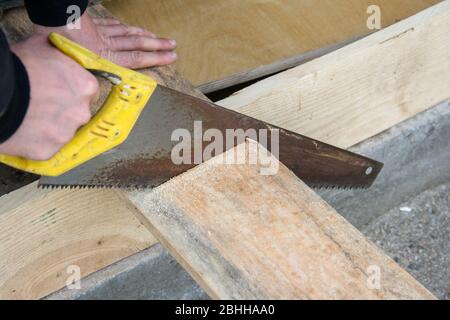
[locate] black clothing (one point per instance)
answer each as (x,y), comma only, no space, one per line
(52,13)
(14,84)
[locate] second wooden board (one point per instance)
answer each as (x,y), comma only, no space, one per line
(226,38)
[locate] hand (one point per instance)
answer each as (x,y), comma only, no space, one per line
(61,92)
(130,47)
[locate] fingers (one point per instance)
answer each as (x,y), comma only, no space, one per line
(90,85)
(134,47)
(91,88)
(141,59)
(106,21)
(141,43)
(116,30)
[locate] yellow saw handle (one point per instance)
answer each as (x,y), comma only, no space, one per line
(108,128)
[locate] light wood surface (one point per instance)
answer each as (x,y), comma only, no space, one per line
(243,235)
(53,230)
(223,39)
(362,89)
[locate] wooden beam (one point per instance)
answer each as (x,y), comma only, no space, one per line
(243,235)
(222,42)
(362,89)
(270,69)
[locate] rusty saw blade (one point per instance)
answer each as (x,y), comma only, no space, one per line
(144,159)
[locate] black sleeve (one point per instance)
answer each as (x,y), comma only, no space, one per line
(14,83)
(15,91)
(52,13)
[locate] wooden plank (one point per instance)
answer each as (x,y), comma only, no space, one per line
(43,237)
(270,69)
(283,243)
(42,232)
(363,89)
(220,41)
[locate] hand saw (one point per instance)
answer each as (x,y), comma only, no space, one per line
(129,142)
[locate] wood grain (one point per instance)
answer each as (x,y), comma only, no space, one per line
(227,38)
(287,244)
(43,237)
(362,89)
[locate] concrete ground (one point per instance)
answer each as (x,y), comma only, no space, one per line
(416,234)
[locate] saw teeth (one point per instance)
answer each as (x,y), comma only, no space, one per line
(140,187)
(83,187)
(333,187)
